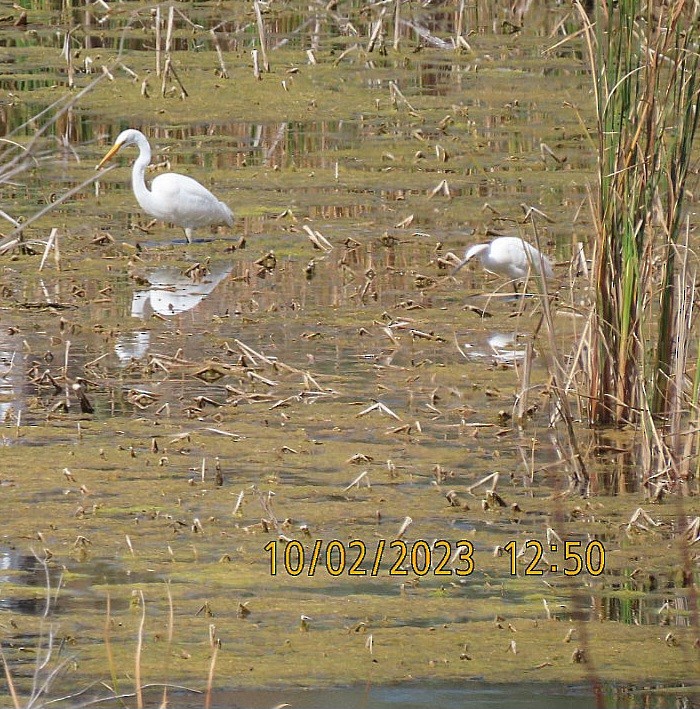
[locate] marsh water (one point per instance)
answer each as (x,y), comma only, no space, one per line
(283,461)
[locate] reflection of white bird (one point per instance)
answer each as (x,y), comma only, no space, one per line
(172,293)
(509,256)
(172,198)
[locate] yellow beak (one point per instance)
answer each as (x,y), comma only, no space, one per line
(112,152)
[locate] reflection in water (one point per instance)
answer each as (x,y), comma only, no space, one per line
(173,292)
(12,381)
(629,606)
(25,569)
(500,347)
(505,347)
(31,570)
(25,606)
(134,345)
(470,693)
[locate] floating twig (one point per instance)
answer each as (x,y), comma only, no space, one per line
(382,408)
(356,482)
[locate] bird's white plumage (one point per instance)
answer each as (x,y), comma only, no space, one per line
(509,256)
(172,198)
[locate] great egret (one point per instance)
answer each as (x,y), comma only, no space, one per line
(509,256)
(172,198)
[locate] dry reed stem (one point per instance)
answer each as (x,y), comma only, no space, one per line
(345,53)
(170,69)
(129,71)
(256,65)
(108,646)
(52,238)
(158,22)
(12,239)
(222,66)
(356,482)
(376,31)
(491,477)
(10,683)
(395,93)
(212,665)
(261,35)
(169,30)
(460,23)
(524,376)
(137,658)
(397,24)
(555,367)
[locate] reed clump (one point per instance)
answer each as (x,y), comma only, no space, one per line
(644,60)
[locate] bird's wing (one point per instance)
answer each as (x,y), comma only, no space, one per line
(538,260)
(188,202)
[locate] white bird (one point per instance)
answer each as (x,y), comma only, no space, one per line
(509,256)
(172,198)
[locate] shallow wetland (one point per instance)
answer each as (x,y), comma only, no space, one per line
(179,421)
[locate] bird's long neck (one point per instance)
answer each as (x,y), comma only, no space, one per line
(478,250)
(138,172)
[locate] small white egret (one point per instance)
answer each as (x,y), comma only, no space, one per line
(172,198)
(509,256)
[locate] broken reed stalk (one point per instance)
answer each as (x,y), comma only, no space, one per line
(167,71)
(261,35)
(315,35)
(376,31)
(158,22)
(169,31)
(222,66)
(49,244)
(256,64)
(397,23)
(645,69)
(70,69)
(166,67)
(65,374)
(460,23)
(169,68)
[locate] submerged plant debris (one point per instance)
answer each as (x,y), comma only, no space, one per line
(305,433)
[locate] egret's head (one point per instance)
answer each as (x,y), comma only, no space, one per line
(469,254)
(126,137)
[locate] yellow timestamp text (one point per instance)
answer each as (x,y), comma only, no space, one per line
(420,558)
(336,558)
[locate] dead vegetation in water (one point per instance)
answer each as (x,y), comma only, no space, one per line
(159,480)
